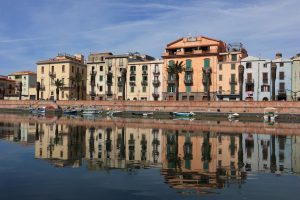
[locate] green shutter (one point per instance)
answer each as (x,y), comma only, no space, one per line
(188,88)
(188,64)
(233,57)
(233,66)
(220,66)
(206,63)
(220,77)
(101,78)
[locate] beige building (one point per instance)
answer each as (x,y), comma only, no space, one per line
(63,67)
(144,80)
(28,80)
(115,66)
(296,78)
(96,76)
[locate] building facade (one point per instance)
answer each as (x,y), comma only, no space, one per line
(144,80)
(7,88)
(257,79)
(198,54)
(28,81)
(296,78)
(228,72)
(96,76)
(71,70)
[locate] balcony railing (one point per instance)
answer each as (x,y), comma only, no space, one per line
(171,81)
(132,72)
(188,81)
(145,72)
(156,72)
(52,74)
(182,53)
(190,69)
(281,91)
(249,81)
(132,83)
(232,81)
(144,82)
(155,95)
(120,83)
(156,83)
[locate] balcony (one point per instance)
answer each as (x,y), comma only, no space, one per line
(132,72)
(52,74)
(174,53)
(145,72)
(93,73)
(188,81)
(144,82)
(132,83)
(281,91)
(232,81)
(120,83)
(155,95)
(171,81)
(42,88)
(190,69)
(249,81)
(156,83)
(156,72)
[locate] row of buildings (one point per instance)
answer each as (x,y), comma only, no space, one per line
(212,70)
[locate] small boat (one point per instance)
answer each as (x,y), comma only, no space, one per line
(234,115)
(144,114)
(270,114)
(40,110)
(70,111)
(113,112)
(183,114)
(91,111)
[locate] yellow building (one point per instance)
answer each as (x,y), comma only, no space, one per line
(197,54)
(62,67)
(28,80)
(228,72)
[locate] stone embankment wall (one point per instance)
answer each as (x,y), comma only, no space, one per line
(283,107)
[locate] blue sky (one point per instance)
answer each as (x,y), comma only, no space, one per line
(32,30)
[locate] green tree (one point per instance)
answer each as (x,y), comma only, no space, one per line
(77,79)
(175,69)
(58,84)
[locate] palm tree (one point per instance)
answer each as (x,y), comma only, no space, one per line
(59,84)
(77,79)
(176,69)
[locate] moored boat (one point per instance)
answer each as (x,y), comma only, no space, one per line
(183,114)
(91,111)
(233,115)
(70,111)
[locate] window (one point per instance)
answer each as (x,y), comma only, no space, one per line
(233,57)
(101,68)
(265,65)
(132,78)
(101,88)
(82,71)
(131,89)
(171,88)
(120,89)
(281,87)
(265,88)
(72,69)
(248,65)
(144,67)
(101,78)
(281,75)
(232,66)
(220,67)
(52,69)
(220,89)
(62,94)
(132,68)
(145,78)
(184,98)
(265,78)
(249,77)
(121,61)
(188,88)
(63,81)
(144,89)
(220,77)
(63,68)
(281,64)
(109,62)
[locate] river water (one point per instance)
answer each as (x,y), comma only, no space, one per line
(113,158)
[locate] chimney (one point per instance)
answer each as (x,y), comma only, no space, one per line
(278,55)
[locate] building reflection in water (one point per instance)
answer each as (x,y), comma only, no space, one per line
(196,162)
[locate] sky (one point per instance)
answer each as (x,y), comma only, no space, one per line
(33,30)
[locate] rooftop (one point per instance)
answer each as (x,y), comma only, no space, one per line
(23,73)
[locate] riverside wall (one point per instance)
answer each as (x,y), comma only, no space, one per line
(283,107)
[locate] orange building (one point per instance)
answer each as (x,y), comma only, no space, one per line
(197,54)
(228,72)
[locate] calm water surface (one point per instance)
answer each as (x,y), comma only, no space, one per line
(71,158)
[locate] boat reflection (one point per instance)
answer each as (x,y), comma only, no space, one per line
(190,161)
